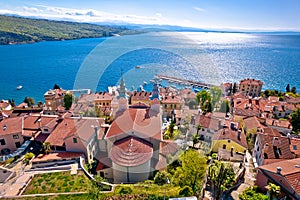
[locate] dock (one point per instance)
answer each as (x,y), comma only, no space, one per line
(185,82)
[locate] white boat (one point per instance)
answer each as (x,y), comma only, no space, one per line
(19,87)
(145,83)
(138,67)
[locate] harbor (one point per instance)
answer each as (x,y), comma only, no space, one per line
(181,81)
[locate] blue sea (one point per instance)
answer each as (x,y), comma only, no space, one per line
(97,63)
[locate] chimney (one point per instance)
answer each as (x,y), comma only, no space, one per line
(220,124)
(239,134)
(39,122)
(231,151)
(279,170)
(4,127)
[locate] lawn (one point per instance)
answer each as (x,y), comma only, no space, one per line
(57,182)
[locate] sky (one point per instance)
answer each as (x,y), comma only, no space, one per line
(282,15)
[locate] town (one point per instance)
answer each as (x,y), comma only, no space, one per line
(232,141)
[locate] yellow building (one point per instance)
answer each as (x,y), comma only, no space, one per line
(228,138)
(140,97)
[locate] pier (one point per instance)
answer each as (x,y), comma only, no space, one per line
(185,82)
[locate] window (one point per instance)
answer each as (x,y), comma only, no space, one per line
(295,147)
(18,144)
(2,142)
(265,155)
(224,146)
(16,137)
(74,140)
(46,130)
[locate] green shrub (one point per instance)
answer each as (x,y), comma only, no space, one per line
(124,190)
(67,190)
(71,183)
(44,187)
(186,191)
(161,178)
(214,156)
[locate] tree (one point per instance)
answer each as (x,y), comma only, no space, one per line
(273,189)
(222,177)
(95,188)
(68,99)
(29,101)
(191,171)
(161,178)
(40,104)
(56,86)
(225,108)
(234,88)
(288,88)
(252,193)
(216,94)
(294,90)
(12,103)
(28,157)
(198,128)
(195,139)
(202,97)
(295,120)
(47,147)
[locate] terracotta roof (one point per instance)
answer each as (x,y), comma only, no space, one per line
(68,127)
(56,156)
(188,94)
(232,134)
(11,125)
(290,169)
(295,146)
(247,107)
(251,123)
(59,93)
(208,122)
(276,147)
(292,100)
(162,163)
(142,122)
(131,151)
(35,122)
(172,99)
(167,147)
(136,96)
(251,82)
(279,123)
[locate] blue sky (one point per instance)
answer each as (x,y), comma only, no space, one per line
(220,14)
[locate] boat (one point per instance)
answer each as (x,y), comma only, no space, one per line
(138,67)
(145,83)
(19,87)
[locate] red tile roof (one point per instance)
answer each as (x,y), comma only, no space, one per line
(208,122)
(252,123)
(232,134)
(143,122)
(172,99)
(295,146)
(142,96)
(131,151)
(290,169)
(251,82)
(11,125)
(275,146)
(68,127)
(35,122)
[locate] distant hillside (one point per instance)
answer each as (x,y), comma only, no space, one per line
(23,30)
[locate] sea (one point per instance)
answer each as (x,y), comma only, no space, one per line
(96,63)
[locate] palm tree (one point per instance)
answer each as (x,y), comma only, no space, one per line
(222,177)
(47,147)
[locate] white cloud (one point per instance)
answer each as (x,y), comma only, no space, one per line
(82,15)
(199,9)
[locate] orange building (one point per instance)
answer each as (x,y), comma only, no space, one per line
(251,87)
